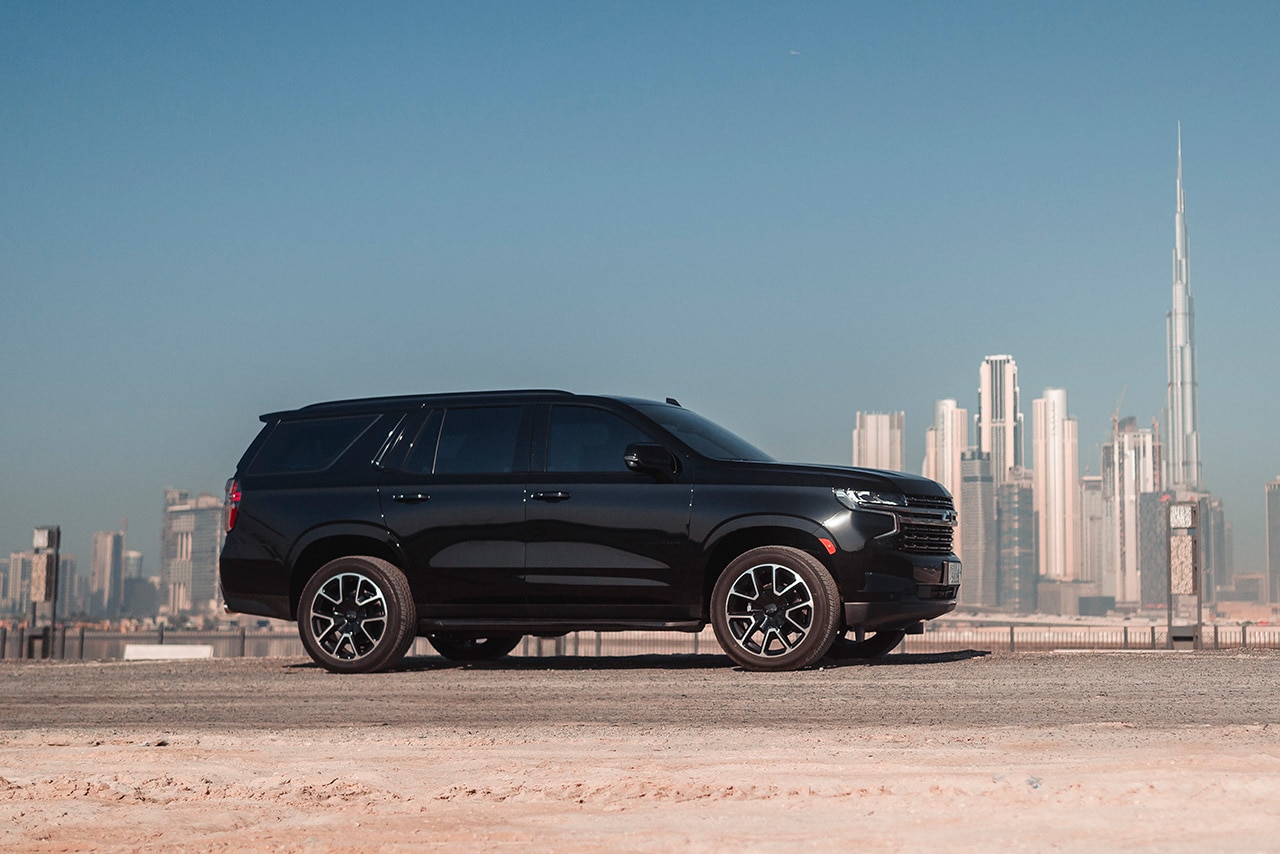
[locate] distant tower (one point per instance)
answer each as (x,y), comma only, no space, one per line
(1130,469)
(945,443)
(192,539)
(1000,416)
(1056,473)
(1018,574)
(1094,554)
(979,537)
(1273,538)
(877,440)
(1183,473)
(106,574)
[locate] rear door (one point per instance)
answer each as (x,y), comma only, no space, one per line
(453,495)
(603,542)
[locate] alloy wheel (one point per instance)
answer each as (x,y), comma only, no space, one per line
(349,616)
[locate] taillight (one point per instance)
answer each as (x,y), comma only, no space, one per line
(233,503)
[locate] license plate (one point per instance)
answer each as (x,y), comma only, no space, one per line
(951,570)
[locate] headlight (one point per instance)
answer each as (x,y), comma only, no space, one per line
(865,499)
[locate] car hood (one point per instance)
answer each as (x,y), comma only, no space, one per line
(877,480)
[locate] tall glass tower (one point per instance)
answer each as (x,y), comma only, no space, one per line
(1000,416)
(1183,460)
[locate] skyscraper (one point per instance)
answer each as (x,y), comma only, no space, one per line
(945,443)
(877,440)
(193,537)
(1183,473)
(1130,468)
(1018,574)
(979,545)
(1094,554)
(1056,473)
(18,587)
(1273,538)
(1000,416)
(106,574)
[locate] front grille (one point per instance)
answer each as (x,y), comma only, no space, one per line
(933,502)
(918,537)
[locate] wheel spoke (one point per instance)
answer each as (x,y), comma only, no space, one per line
(781,590)
(328,628)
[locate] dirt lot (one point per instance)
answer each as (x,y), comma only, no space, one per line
(1174,751)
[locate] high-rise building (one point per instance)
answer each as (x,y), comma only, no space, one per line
(1183,436)
(1000,416)
(1273,539)
(192,541)
(1093,530)
(70,587)
(18,595)
(1056,475)
(877,440)
(1130,468)
(1019,577)
(945,443)
(979,540)
(132,564)
(1153,547)
(106,574)
(1214,566)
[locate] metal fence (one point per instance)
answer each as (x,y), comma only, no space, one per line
(72,643)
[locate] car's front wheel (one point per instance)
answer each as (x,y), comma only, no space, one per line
(775,608)
(357,615)
(456,648)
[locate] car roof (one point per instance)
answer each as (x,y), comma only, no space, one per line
(412,401)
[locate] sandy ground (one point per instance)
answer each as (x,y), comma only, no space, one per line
(1157,751)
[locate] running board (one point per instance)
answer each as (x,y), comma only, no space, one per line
(550,628)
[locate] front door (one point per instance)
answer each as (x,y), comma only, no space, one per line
(603,542)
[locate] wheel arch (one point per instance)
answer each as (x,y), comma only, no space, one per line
(753,533)
(328,544)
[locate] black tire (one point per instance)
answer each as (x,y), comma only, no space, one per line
(357,615)
(457,648)
(876,645)
(775,608)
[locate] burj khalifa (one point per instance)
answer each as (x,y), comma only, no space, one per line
(1182,473)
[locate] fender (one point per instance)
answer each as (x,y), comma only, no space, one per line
(801,525)
(355,529)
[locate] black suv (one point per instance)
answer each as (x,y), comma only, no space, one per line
(475,519)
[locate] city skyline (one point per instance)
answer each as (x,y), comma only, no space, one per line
(778,219)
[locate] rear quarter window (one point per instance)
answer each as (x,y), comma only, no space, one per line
(308,445)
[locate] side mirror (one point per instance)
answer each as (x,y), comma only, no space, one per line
(650,459)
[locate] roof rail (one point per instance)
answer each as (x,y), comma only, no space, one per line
(405,398)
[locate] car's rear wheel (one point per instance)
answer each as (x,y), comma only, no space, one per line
(875,645)
(458,648)
(775,608)
(356,615)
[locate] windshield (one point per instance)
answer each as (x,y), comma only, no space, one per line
(704,436)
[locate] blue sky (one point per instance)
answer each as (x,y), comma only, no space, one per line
(780,214)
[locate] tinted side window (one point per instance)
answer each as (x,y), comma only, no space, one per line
(422,450)
(481,441)
(589,440)
(303,446)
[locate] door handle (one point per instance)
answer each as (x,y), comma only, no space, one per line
(416,498)
(550,496)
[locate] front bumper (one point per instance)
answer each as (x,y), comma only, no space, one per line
(874,616)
